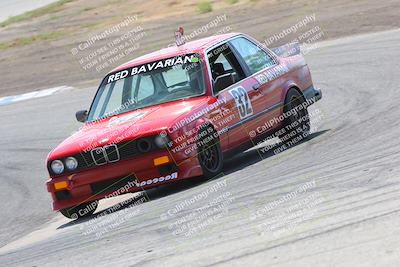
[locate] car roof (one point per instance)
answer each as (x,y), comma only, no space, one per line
(196,46)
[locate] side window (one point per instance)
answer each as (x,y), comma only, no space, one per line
(225,67)
(256,58)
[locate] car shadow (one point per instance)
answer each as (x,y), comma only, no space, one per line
(238,162)
(254,155)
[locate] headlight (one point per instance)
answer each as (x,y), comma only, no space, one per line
(161,141)
(71,163)
(57,166)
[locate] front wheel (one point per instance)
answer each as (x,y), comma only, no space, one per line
(297,120)
(209,152)
(80,211)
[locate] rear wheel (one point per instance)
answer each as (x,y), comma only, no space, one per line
(209,152)
(80,211)
(297,122)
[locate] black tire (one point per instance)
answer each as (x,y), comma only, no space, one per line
(297,124)
(209,152)
(80,211)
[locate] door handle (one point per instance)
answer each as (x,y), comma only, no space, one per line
(256,86)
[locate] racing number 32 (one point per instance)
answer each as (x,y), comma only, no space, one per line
(242,101)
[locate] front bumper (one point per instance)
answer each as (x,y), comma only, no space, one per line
(312,94)
(130,175)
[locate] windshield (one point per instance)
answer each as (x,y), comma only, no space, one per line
(148,85)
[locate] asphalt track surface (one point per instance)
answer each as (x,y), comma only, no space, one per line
(350,216)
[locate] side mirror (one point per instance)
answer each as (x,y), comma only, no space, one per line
(81,115)
(224,81)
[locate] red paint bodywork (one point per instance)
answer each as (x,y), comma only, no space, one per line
(163,117)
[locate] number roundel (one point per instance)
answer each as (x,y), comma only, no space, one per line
(242,101)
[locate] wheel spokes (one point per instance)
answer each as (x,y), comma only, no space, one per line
(208,156)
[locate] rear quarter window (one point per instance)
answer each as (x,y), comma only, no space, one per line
(255,57)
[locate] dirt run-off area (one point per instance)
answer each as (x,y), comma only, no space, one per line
(76,42)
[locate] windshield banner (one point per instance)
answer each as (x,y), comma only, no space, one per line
(164,63)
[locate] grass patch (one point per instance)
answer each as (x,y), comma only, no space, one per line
(31,39)
(51,8)
(88,8)
(232,2)
(204,6)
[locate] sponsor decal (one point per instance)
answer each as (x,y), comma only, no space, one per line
(105,140)
(196,59)
(272,74)
(126,118)
(135,184)
(132,184)
(170,62)
(172,176)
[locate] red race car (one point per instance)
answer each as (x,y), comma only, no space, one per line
(178,113)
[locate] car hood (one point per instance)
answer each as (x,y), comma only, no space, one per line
(125,127)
